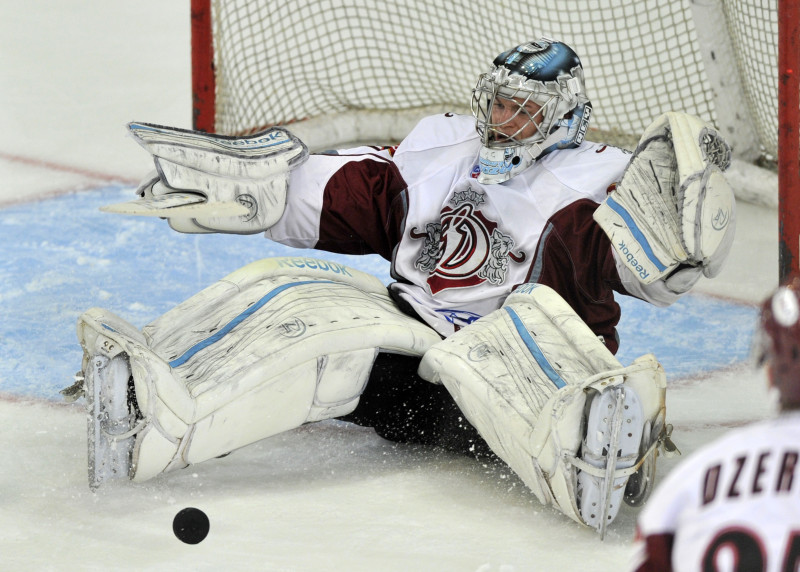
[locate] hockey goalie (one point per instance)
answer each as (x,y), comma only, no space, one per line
(508,234)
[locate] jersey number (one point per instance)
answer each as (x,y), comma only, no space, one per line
(748,552)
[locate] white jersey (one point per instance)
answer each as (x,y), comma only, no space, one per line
(457,247)
(736,500)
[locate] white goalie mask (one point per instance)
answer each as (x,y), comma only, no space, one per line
(532,102)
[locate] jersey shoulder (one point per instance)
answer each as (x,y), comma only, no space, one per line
(589,169)
(588,153)
(439,148)
(439,131)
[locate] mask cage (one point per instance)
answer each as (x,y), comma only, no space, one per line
(494,89)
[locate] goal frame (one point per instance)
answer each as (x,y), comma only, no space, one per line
(788,140)
(204,86)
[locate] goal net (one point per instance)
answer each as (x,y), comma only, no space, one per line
(367,70)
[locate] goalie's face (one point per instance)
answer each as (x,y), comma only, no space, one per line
(508,114)
(525,107)
(513,120)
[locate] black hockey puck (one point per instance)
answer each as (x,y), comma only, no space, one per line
(191,525)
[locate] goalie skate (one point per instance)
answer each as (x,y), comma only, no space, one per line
(656,439)
(111,418)
(614,429)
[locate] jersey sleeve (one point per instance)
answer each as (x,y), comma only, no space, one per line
(349,202)
(355,201)
(653,552)
(574,258)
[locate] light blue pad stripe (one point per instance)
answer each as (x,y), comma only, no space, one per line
(536,352)
(187,355)
(637,234)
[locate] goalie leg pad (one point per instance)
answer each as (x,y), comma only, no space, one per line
(521,375)
(279,343)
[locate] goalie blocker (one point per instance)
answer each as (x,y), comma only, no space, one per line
(214,183)
(287,341)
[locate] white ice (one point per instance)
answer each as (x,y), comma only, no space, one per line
(324,497)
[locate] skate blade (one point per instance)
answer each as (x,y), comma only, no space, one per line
(615,423)
(654,443)
(109,421)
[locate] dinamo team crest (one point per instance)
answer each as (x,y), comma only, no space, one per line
(464,248)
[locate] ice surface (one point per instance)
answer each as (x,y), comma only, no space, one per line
(329,496)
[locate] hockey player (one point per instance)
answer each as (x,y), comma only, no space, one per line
(497,244)
(735,503)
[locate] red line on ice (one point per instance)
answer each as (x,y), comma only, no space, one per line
(88,173)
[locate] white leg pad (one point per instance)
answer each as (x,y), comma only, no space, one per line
(522,376)
(274,345)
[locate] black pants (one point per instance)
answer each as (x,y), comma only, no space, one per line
(403,407)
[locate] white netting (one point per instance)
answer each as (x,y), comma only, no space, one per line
(753,27)
(283,61)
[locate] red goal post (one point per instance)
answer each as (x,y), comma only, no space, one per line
(789,138)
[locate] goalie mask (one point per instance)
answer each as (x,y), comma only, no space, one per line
(532,102)
(777,342)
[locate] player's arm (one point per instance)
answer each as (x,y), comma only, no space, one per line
(653,552)
(351,202)
(244,185)
(574,258)
(664,519)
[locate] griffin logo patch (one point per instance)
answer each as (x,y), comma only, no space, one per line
(464,248)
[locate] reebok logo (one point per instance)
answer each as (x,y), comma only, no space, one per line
(630,258)
(315,264)
(266,138)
